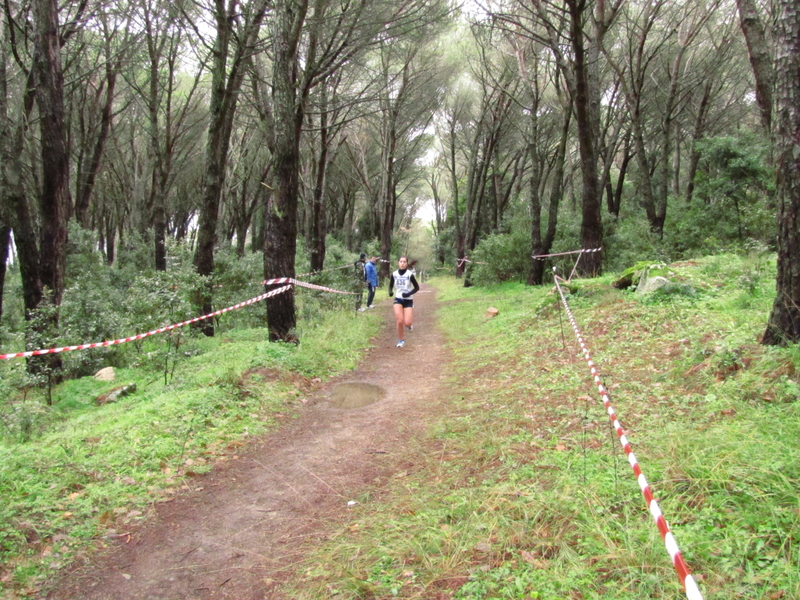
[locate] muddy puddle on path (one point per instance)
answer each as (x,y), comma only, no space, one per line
(355,395)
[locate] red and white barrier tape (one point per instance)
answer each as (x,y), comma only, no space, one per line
(149,333)
(324,270)
(692,591)
(311,286)
(582,251)
(334,269)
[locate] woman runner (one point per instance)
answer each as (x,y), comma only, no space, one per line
(404,285)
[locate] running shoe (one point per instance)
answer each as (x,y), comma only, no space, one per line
(362,309)
(400,344)
(411,328)
(371,306)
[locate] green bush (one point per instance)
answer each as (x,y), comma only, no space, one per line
(506,257)
(730,204)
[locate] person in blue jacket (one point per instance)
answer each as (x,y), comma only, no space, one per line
(371,275)
(404,285)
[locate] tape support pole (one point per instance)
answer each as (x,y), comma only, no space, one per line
(688,582)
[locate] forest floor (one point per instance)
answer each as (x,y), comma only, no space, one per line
(243,528)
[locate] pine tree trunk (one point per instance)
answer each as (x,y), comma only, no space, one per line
(539,244)
(55,196)
(318,224)
(280,236)
(55,201)
(784,322)
(213,178)
(5,243)
(12,192)
(760,59)
(227,77)
(591,222)
(89,177)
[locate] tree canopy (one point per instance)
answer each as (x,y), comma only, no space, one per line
(278,129)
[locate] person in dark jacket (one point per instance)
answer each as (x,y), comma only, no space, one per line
(359,280)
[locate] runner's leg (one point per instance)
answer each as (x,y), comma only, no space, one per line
(408,315)
(371,295)
(398,316)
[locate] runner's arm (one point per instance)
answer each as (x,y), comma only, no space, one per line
(391,283)
(414,291)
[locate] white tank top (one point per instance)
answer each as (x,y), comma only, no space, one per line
(402,283)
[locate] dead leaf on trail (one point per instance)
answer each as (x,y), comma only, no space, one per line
(560,447)
(531,559)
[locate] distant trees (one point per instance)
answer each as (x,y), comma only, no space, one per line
(42,257)
(164,136)
(167,108)
(237,29)
(645,85)
(251,125)
(311,43)
(411,90)
(655,85)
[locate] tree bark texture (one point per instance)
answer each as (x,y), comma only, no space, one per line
(784,321)
(89,176)
(156,201)
(699,129)
(227,76)
(12,191)
(280,237)
(55,195)
(454,193)
(390,109)
(591,222)
(388,195)
(222,104)
(318,225)
(539,244)
(760,58)
(5,243)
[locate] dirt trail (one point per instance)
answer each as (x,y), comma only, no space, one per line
(238,534)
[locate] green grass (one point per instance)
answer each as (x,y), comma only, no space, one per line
(82,469)
(523,490)
(520,489)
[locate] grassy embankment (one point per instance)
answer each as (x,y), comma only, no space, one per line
(522,489)
(85,470)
